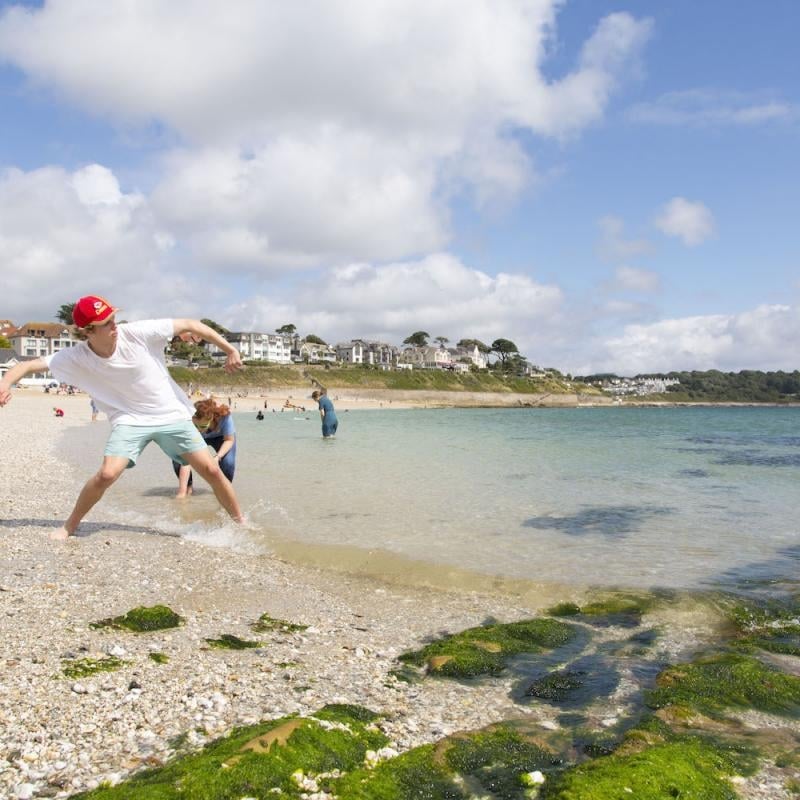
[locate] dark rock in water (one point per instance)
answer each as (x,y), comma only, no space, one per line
(557,686)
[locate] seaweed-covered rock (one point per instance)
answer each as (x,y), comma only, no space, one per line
(286,757)
(485,650)
(265,623)
(619,608)
(689,768)
(84,667)
(227,641)
(557,685)
(723,681)
(143,619)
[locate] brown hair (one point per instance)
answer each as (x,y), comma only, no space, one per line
(211,410)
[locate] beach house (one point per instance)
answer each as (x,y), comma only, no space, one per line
(35,339)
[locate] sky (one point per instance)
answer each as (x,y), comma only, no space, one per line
(614,186)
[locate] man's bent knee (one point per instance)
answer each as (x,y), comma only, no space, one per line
(109,472)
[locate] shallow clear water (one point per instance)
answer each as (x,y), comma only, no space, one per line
(675,497)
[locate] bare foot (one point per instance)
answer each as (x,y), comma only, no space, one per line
(60,535)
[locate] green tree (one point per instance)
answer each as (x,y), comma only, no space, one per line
(443,340)
(417,339)
(468,343)
(216,327)
(5,344)
(314,339)
(64,313)
(287,330)
(504,348)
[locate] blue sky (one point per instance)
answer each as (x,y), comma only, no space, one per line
(612,186)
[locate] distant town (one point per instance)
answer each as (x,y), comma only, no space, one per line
(419,351)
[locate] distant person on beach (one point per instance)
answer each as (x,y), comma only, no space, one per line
(122,367)
(94,408)
(215,423)
(326,413)
(260,414)
(59,412)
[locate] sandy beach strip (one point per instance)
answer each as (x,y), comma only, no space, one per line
(60,735)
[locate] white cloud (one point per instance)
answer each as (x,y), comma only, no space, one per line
(65,234)
(713,108)
(766,337)
(631,279)
(438,294)
(692,222)
(324,131)
(613,244)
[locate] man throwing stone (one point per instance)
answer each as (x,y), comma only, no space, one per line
(122,367)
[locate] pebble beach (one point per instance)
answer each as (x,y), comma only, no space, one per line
(61,735)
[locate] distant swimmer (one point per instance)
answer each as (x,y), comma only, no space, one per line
(122,368)
(260,414)
(326,412)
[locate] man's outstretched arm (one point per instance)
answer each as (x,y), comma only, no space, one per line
(194,330)
(15,373)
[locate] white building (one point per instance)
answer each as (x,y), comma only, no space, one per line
(271,347)
(36,339)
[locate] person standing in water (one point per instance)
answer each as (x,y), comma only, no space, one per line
(215,423)
(326,412)
(122,368)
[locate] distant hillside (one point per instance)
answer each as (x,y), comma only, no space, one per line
(713,386)
(269,377)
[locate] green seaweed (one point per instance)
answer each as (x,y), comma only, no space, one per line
(771,624)
(415,775)
(259,759)
(557,685)
(564,610)
(499,759)
(723,681)
(485,650)
(266,623)
(84,667)
(619,608)
(227,641)
(142,619)
(690,769)
(159,658)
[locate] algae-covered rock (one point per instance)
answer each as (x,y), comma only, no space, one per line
(227,641)
(159,658)
(618,608)
(413,775)
(688,769)
(557,685)
(285,757)
(724,681)
(500,760)
(143,619)
(485,650)
(771,624)
(265,623)
(84,667)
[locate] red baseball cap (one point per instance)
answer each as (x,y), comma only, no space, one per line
(90,310)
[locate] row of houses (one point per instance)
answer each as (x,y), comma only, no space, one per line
(282,349)
(36,339)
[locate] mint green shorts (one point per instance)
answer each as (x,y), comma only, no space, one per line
(174,438)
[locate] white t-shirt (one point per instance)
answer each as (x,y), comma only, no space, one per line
(132,386)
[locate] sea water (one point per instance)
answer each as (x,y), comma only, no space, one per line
(639,497)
